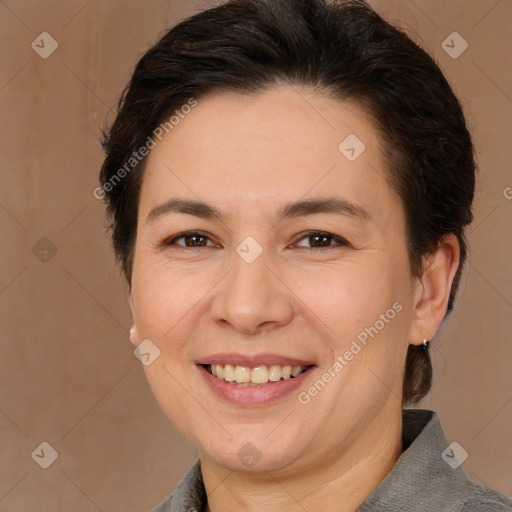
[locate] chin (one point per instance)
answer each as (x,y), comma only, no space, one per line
(253,454)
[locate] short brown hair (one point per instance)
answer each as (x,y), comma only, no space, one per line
(343,49)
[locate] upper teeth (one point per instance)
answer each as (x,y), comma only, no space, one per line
(257,375)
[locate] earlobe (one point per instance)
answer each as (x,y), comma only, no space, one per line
(134,338)
(433,290)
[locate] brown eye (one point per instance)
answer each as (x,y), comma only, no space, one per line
(320,239)
(195,240)
(190,239)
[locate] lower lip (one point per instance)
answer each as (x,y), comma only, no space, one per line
(253,395)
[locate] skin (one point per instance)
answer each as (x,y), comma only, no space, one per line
(247,155)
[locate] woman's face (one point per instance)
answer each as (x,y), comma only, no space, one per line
(300,261)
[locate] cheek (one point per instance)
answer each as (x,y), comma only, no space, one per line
(367,314)
(365,309)
(349,297)
(165,297)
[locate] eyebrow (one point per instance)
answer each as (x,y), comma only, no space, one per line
(333,205)
(192,207)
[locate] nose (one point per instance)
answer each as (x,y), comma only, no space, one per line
(252,298)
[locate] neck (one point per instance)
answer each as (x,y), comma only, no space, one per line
(342,483)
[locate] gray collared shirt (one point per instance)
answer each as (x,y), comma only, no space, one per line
(423,480)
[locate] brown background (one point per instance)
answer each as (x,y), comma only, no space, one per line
(68,372)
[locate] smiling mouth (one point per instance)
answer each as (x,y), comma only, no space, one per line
(257,376)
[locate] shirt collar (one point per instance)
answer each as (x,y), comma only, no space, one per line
(421,475)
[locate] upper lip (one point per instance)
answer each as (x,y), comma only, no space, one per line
(253,361)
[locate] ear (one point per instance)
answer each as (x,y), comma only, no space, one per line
(134,337)
(432,290)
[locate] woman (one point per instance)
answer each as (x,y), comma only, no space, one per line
(289,183)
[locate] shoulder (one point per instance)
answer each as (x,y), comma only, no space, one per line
(189,495)
(165,506)
(484,499)
(425,477)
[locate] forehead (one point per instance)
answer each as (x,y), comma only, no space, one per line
(273,146)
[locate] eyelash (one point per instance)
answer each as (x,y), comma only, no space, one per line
(172,241)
